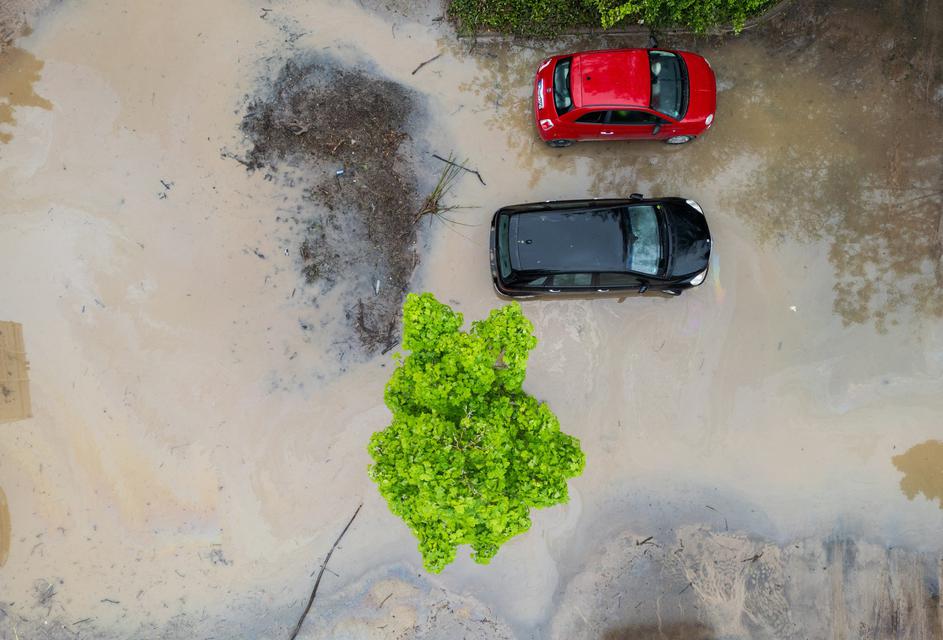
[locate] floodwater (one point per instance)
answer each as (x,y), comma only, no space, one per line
(191,455)
(19,70)
(922,466)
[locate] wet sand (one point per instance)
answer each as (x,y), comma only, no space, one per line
(194,448)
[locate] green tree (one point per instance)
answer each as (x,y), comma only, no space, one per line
(468,453)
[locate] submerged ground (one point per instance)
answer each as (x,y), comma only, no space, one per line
(763,453)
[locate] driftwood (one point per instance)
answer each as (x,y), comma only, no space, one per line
(317,582)
(422,64)
(455,164)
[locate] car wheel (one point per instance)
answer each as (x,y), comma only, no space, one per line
(559,143)
(679,139)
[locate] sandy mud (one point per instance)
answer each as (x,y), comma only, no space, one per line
(761,452)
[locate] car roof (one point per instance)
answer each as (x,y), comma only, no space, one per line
(618,77)
(573,241)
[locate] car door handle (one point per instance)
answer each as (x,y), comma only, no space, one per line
(602,290)
(553,290)
(607,133)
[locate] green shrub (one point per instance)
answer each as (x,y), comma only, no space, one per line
(699,15)
(468,453)
(550,17)
(521,17)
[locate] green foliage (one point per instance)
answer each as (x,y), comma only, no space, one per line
(521,17)
(550,17)
(468,452)
(699,15)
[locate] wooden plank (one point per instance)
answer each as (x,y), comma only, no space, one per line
(14,374)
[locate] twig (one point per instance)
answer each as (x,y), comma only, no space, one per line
(383,602)
(109,600)
(690,584)
(648,539)
(317,582)
(753,558)
(422,64)
(455,164)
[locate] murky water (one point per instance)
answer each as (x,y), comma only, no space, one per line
(19,71)
(922,466)
(188,454)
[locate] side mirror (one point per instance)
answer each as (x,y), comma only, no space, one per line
(643,288)
(636,196)
(656,129)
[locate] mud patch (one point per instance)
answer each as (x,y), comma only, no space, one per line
(700,583)
(395,602)
(5,529)
(16,16)
(922,467)
(19,71)
(14,380)
(347,131)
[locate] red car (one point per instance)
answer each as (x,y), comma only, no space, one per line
(624,94)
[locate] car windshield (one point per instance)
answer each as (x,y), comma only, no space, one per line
(562,98)
(644,246)
(669,84)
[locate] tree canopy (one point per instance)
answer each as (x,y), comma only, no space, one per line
(468,452)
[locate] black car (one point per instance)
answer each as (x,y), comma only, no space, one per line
(599,246)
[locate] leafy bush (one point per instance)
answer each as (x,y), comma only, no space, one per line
(521,17)
(468,452)
(700,15)
(550,17)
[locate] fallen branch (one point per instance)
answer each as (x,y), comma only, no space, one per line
(317,582)
(455,164)
(432,205)
(422,64)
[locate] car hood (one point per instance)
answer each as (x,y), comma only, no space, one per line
(690,241)
(702,85)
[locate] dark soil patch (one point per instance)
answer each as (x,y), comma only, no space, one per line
(347,129)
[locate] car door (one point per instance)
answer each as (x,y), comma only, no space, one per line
(632,124)
(606,282)
(570,282)
(590,125)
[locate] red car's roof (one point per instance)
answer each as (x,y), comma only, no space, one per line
(617,77)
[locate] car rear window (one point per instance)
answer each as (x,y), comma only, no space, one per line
(562,97)
(504,258)
(669,84)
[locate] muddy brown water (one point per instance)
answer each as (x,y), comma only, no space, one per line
(19,71)
(194,449)
(922,466)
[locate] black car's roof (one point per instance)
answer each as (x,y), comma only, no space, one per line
(575,240)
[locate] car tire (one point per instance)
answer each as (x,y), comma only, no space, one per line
(679,139)
(558,144)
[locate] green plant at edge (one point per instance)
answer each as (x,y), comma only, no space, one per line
(468,452)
